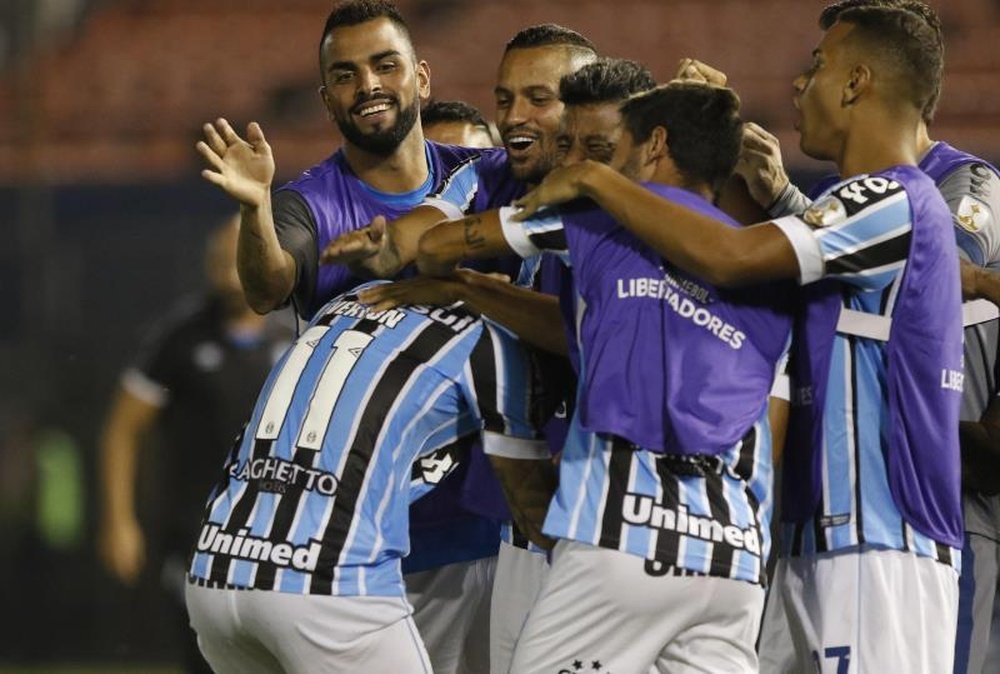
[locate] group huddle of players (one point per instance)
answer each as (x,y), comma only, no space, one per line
(548,446)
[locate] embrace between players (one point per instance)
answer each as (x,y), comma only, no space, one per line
(676,336)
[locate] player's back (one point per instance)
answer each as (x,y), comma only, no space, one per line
(316,491)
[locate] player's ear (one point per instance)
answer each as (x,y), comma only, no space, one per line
(857,84)
(325,97)
(423,80)
(656,146)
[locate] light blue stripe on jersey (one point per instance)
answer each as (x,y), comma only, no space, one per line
(838,460)
(512,382)
(642,480)
(585,462)
(461,186)
(885,220)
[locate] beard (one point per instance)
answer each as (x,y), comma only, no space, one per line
(385,141)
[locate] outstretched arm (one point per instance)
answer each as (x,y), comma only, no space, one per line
(383,248)
(244,169)
(701,245)
(475,237)
(532,316)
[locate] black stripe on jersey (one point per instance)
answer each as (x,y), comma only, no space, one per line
(290,501)
(748,455)
(722,552)
(943,553)
(878,255)
(822,545)
(240,513)
(619,467)
(433,338)
(667,542)
(798,535)
(483,363)
(518,539)
(553,240)
(446,183)
(852,343)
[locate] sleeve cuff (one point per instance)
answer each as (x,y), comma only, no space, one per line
(806,248)
(145,389)
(450,210)
(791,201)
(516,234)
(497,444)
(782,388)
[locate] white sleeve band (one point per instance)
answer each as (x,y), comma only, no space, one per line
(449,210)
(782,387)
(516,234)
(497,444)
(806,247)
(144,388)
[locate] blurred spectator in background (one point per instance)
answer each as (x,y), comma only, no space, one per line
(456,123)
(195,379)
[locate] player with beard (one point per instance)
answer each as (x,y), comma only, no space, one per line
(371,85)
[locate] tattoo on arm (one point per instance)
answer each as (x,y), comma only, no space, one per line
(474,239)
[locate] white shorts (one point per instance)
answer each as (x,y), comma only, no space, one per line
(263,632)
(451,608)
(776,651)
(600,611)
(518,582)
(871,611)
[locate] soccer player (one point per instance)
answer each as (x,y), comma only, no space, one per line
(664,482)
(372,85)
(194,381)
(311,512)
(456,123)
(872,472)
(971,188)
(590,127)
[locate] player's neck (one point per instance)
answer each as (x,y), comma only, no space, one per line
(877,144)
(402,171)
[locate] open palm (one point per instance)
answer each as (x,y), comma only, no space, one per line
(243,168)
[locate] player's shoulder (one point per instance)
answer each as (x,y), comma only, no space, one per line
(450,156)
(330,169)
(854,196)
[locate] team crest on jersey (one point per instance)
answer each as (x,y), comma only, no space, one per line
(825,212)
(972,214)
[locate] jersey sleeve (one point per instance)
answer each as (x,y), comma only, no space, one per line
(150,375)
(296,229)
(859,233)
(543,232)
(972,193)
(458,191)
(499,386)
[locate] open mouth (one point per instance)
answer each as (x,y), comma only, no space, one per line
(371,108)
(519,142)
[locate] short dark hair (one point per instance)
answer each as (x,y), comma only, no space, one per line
(452,111)
(907,35)
(354,12)
(606,80)
(549,35)
(704,129)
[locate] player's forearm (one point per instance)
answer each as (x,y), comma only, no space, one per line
(985,284)
(475,237)
(698,244)
(266,271)
(528,485)
(532,316)
(119,448)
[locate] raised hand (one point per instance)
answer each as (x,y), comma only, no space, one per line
(122,548)
(693,69)
(243,168)
(760,164)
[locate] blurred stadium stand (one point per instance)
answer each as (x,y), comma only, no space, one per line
(102,211)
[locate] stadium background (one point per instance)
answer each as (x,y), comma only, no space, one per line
(102,217)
